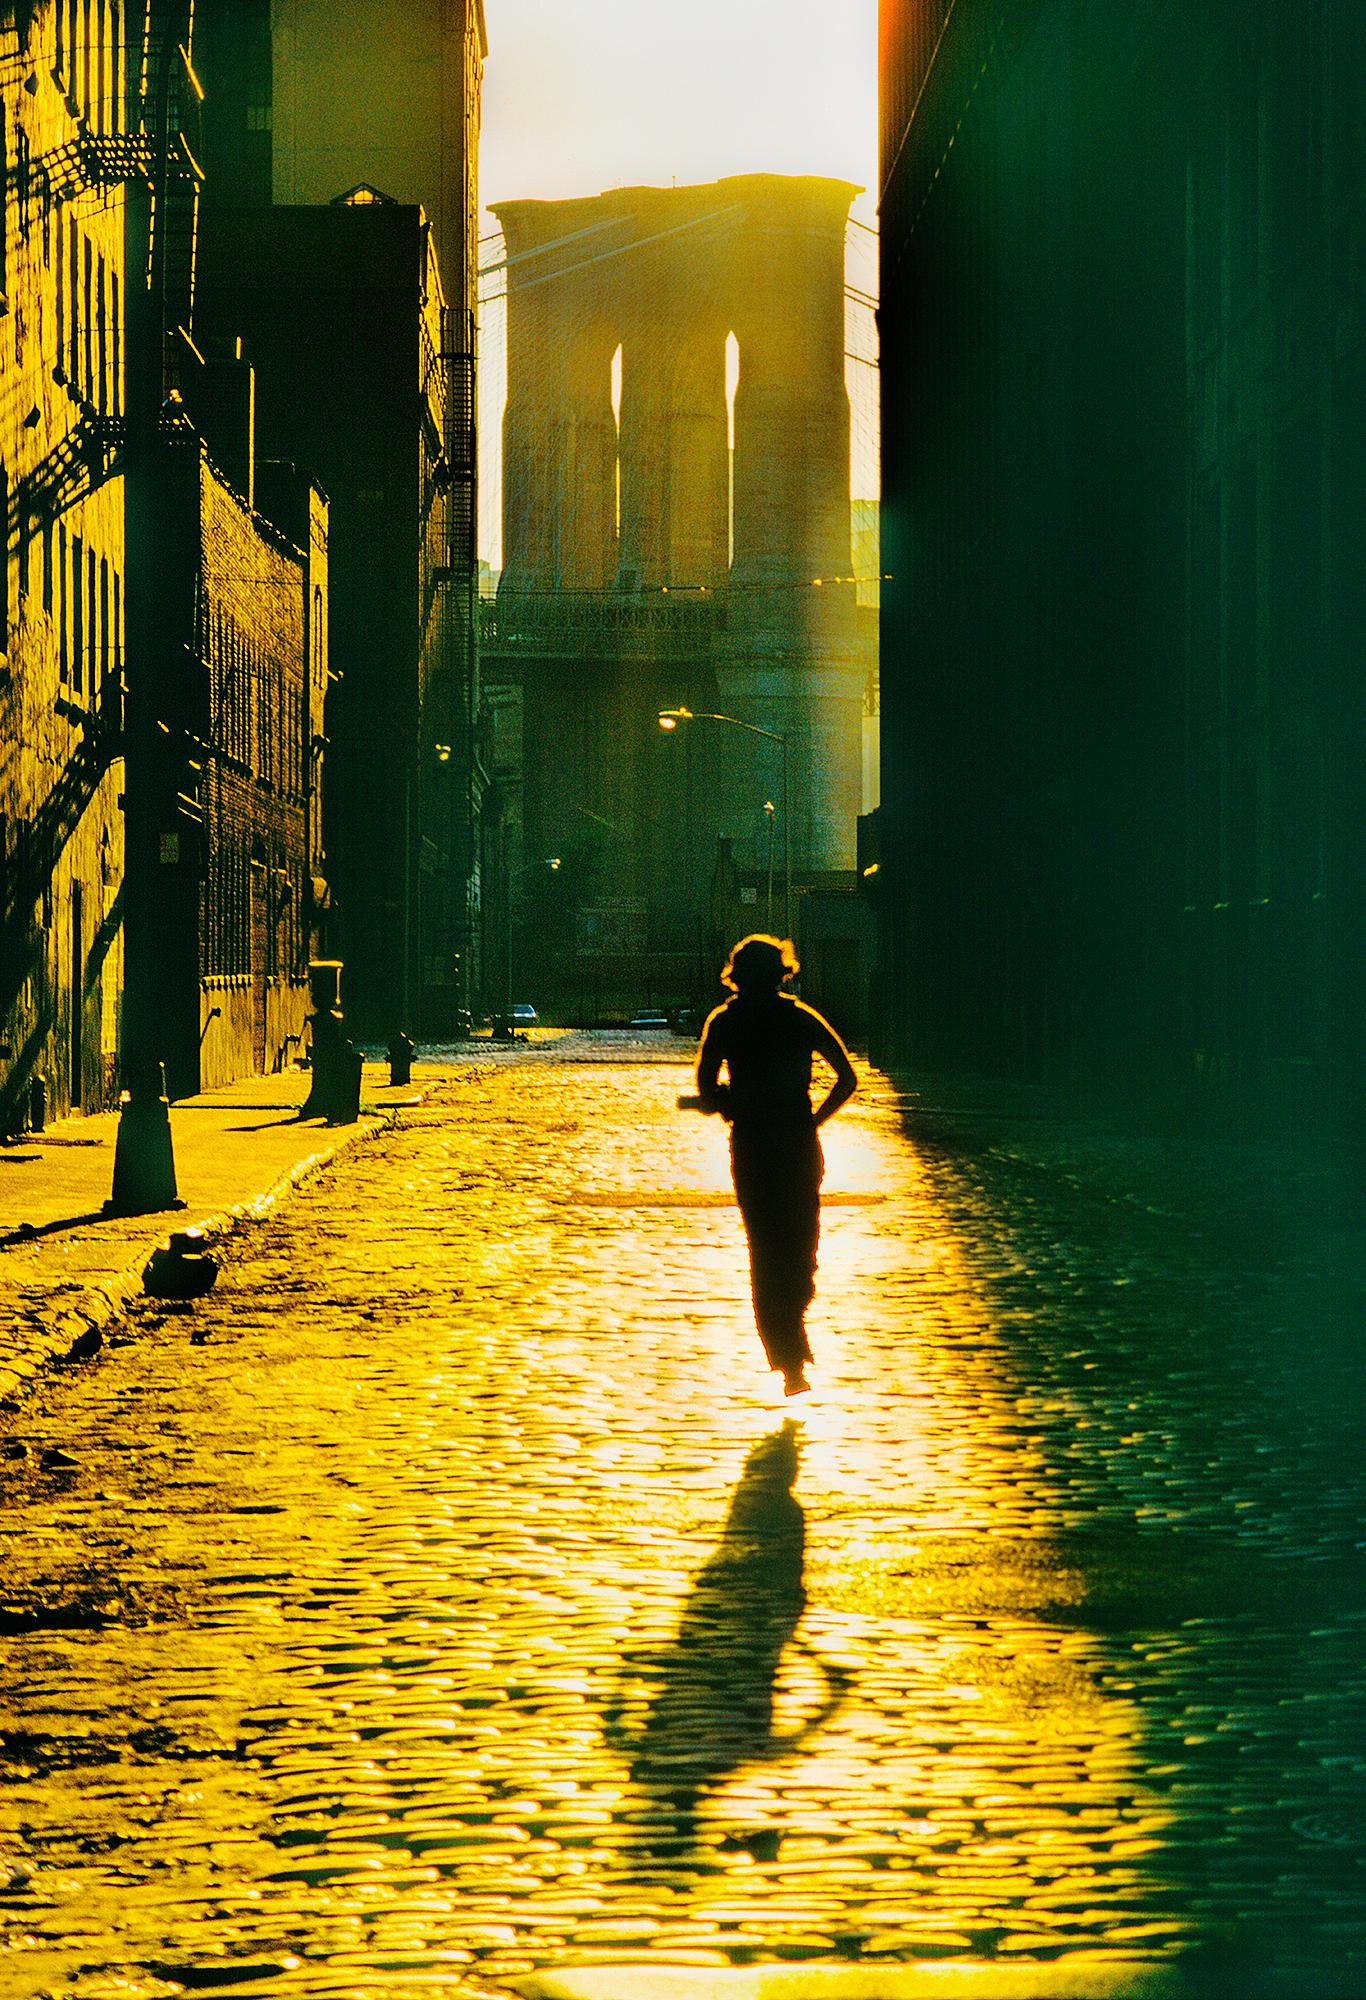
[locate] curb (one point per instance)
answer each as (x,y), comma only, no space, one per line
(72,1328)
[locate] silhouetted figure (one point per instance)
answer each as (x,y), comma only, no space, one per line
(765,1039)
(703,1706)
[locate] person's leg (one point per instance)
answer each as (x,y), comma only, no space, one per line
(777,1184)
(801,1228)
(777,1301)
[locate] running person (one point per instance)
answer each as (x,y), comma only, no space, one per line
(765,1039)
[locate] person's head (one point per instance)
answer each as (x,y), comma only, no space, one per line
(760,965)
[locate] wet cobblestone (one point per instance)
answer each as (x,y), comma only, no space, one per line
(429,1605)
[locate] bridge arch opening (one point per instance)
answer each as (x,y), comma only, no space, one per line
(615,378)
(732,385)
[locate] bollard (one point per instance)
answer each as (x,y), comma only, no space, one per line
(346,1102)
(144,1160)
(37,1102)
(401,1060)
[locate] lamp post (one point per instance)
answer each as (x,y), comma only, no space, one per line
(669,719)
(768,907)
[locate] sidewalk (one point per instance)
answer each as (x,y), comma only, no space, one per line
(66,1267)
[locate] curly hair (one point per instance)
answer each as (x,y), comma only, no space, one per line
(760,964)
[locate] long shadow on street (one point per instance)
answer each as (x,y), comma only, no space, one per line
(689,1715)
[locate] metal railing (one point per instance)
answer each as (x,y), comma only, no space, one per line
(576,622)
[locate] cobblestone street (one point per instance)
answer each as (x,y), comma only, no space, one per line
(450,1601)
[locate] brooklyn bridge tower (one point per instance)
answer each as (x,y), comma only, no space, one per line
(676,534)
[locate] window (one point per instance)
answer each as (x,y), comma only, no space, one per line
(114,117)
(87,96)
(23,182)
(99,58)
(61,299)
(115,347)
(92,577)
(102,339)
(614,383)
(77,615)
(73,270)
(4,560)
(25,531)
(63,630)
(87,357)
(732,388)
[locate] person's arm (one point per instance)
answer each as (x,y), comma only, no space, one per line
(712,1094)
(827,1044)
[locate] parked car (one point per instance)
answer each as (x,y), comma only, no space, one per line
(523,1015)
(647,1018)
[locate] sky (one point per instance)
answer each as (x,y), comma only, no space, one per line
(585,95)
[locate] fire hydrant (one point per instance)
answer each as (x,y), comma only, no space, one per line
(184,1268)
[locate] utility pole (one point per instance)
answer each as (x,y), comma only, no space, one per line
(144,1162)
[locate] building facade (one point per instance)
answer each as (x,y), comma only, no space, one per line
(341,311)
(394,101)
(301,115)
(1273,891)
(240,876)
(62,567)
(1122,354)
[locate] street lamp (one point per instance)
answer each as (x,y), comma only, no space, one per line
(769,810)
(669,719)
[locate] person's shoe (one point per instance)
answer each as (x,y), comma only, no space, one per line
(795,1382)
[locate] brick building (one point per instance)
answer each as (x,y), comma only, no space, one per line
(62,284)
(341,310)
(1123,369)
(241,875)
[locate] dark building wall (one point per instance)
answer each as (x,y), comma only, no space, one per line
(300,112)
(341,311)
(233,51)
(394,100)
(1108,469)
(62,558)
(1275,902)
